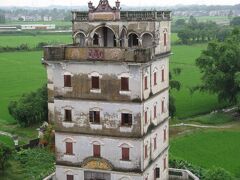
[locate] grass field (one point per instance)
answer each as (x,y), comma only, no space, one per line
(209,149)
(6,140)
(20,72)
(32,41)
(57,23)
(218,19)
(199,103)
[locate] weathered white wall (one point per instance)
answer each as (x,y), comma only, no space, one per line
(62,171)
(110,149)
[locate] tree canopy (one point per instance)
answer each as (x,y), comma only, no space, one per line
(235,21)
(220,68)
(31,108)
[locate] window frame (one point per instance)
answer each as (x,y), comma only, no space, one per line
(67,115)
(124,84)
(97,150)
(94,117)
(67,81)
(67,146)
(125,154)
(95,79)
(123,121)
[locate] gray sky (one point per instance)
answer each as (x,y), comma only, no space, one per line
(42,3)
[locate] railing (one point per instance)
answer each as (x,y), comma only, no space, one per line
(75,53)
(130,15)
(181,174)
(51,177)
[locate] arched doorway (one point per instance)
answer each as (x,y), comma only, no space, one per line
(123,38)
(133,40)
(104,37)
(80,39)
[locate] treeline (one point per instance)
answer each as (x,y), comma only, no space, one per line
(196,32)
(23,47)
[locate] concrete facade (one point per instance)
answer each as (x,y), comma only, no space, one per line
(109,95)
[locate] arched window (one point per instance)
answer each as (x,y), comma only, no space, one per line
(123,38)
(132,40)
(80,39)
(147,40)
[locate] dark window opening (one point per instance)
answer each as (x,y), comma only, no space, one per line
(155,78)
(145,83)
(126,119)
(156,173)
(133,40)
(165,39)
(94,117)
(96,39)
(70,177)
(67,81)
(95,82)
(155,143)
(165,134)
(68,115)
(69,148)
(146,118)
(125,154)
(124,84)
(155,112)
(96,150)
(146,152)
(163,78)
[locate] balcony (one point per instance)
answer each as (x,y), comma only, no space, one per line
(75,53)
(130,16)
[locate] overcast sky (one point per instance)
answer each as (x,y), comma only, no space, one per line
(42,3)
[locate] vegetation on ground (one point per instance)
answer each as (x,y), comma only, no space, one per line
(5,153)
(6,140)
(209,149)
(30,164)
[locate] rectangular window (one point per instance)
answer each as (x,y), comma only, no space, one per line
(155,143)
(94,117)
(69,148)
(145,83)
(146,152)
(145,116)
(124,84)
(155,78)
(125,154)
(165,39)
(165,163)
(70,177)
(162,107)
(68,115)
(163,78)
(67,81)
(155,112)
(95,82)
(96,150)
(157,173)
(164,135)
(126,119)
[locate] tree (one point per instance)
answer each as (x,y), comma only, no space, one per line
(31,108)
(2,19)
(220,67)
(174,84)
(218,174)
(235,21)
(180,22)
(5,153)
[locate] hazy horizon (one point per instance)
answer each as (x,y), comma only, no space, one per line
(46,3)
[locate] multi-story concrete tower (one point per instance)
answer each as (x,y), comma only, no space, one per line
(108,95)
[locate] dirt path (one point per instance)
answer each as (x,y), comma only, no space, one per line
(201,126)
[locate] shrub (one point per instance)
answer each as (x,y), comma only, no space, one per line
(218,174)
(5,153)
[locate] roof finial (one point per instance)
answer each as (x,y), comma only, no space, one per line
(118,4)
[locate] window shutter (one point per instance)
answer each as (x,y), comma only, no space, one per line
(165,39)
(67,81)
(96,150)
(145,150)
(155,78)
(91,115)
(124,84)
(155,111)
(97,117)
(95,82)
(163,78)
(145,116)
(164,163)
(125,153)
(145,83)
(164,134)
(129,119)
(155,143)
(70,177)
(69,148)
(162,106)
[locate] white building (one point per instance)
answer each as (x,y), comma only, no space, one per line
(38,27)
(108,95)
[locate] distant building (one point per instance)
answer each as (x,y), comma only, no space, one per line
(109,95)
(38,27)
(47,18)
